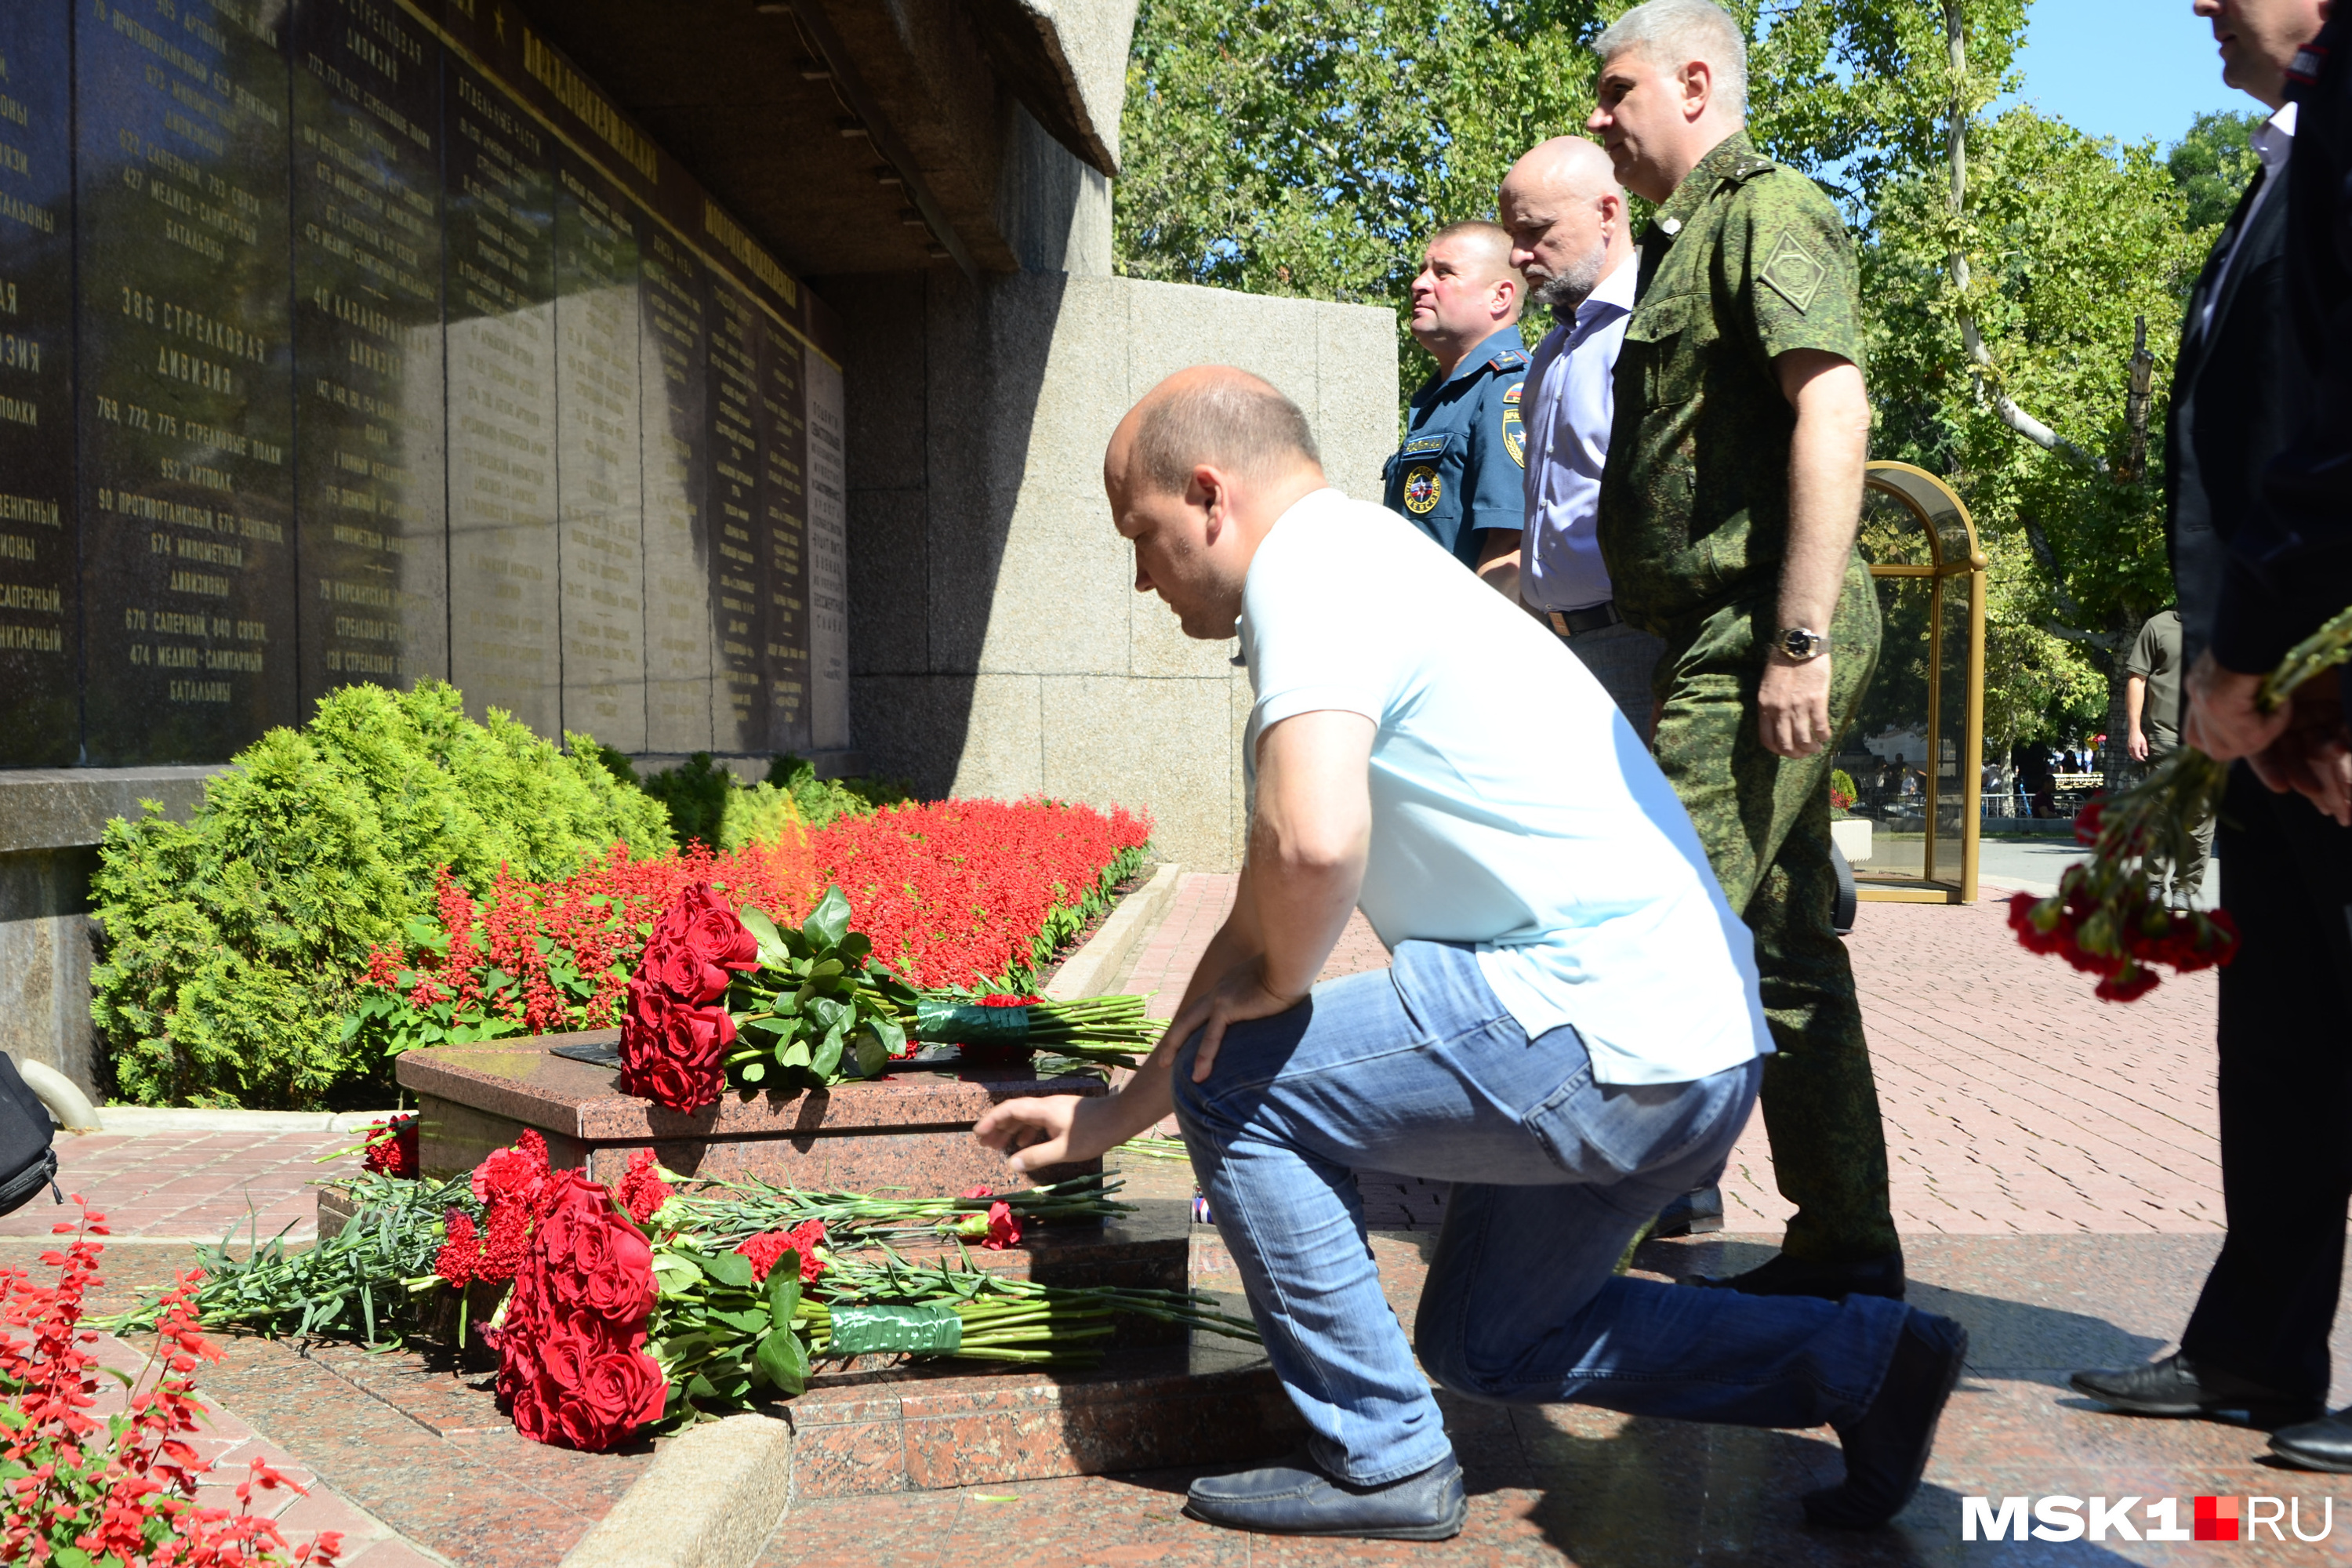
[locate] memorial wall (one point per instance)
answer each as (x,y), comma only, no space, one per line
(365,340)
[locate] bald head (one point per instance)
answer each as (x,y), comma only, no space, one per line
(1198,474)
(1215,416)
(1566,215)
(1564,169)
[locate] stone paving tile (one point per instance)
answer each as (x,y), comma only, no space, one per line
(231,1446)
(2014,1101)
(192,1186)
(1575,1485)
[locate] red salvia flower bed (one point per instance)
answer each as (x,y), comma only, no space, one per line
(954,893)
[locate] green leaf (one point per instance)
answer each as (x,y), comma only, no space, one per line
(829,922)
(827,1055)
(871,1056)
(729,1268)
(795,1054)
(747,1321)
(784,1290)
(754,1071)
(784,1359)
(856,945)
(772,951)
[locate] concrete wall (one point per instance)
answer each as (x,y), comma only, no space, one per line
(997,645)
(50,822)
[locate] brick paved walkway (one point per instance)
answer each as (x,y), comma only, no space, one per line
(2015,1102)
(192,1186)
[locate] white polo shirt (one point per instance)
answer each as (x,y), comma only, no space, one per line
(1521,816)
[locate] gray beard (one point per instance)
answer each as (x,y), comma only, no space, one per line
(1572,287)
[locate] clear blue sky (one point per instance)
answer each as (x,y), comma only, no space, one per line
(2126,68)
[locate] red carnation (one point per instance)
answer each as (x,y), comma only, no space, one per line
(459,1261)
(977,1193)
(640,1190)
(803,1238)
(391,1147)
(519,1173)
(1003,1227)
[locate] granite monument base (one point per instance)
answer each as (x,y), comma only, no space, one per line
(910,1132)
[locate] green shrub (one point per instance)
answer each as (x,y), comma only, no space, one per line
(822,800)
(708,803)
(231,943)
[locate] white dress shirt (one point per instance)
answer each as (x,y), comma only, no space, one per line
(1571,400)
(2272,140)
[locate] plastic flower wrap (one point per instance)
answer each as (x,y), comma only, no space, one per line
(2105,918)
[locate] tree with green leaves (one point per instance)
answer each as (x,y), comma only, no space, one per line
(2012,265)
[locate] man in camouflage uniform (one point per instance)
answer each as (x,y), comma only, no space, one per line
(1727,520)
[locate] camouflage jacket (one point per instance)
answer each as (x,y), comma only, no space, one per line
(1745,261)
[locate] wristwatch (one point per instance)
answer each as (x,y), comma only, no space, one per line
(1801,643)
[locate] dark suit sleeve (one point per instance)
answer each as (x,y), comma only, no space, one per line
(2290,567)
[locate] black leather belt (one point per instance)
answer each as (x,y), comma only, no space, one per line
(1577,623)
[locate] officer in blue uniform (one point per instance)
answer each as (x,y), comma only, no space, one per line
(1459,475)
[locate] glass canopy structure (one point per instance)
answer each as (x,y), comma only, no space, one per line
(1916,751)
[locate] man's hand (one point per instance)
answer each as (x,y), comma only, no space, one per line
(2223,721)
(1793,720)
(2136,744)
(1050,1129)
(1241,994)
(2310,757)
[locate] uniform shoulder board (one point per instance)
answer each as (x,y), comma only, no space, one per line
(1510,359)
(1748,168)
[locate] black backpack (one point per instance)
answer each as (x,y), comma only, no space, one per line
(28,1162)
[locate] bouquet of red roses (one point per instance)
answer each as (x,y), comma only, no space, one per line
(571,1343)
(677,1028)
(723,998)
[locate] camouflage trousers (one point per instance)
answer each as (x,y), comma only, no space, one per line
(1765,821)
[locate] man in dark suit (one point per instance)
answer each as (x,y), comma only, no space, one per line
(2257,570)
(2290,570)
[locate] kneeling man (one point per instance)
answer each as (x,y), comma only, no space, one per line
(1570,1031)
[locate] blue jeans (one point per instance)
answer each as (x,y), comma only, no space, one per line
(1420,1070)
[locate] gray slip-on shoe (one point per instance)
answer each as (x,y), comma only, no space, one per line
(1294,1498)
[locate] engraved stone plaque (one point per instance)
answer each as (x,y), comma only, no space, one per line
(739,613)
(829,559)
(599,469)
(41,587)
(185,380)
(369,397)
(499,285)
(675,362)
(783,544)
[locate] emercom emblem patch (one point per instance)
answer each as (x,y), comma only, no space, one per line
(1793,273)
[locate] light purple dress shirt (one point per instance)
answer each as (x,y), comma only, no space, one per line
(1571,400)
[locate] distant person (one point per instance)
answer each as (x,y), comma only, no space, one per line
(1729,513)
(1570,1033)
(2259,481)
(1572,236)
(2152,674)
(1457,478)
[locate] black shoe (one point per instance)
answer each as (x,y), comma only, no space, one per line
(1294,1498)
(1693,1213)
(1782,1274)
(2174,1387)
(1886,1450)
(2322,1445)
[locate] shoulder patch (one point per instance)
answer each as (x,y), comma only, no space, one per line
(1510,359)
(1515,432)
(1794,272)
(1511,393)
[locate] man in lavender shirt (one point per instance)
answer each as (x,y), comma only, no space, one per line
(1566,214)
